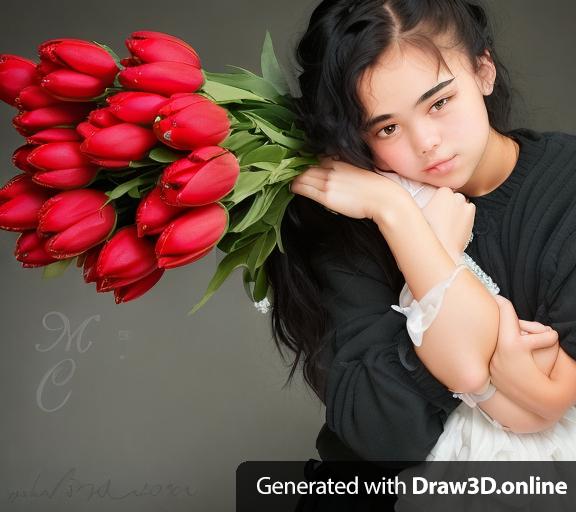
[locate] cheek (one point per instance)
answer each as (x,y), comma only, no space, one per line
(390,156)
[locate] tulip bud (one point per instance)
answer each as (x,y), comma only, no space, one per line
(205,176)
(191,236)
(137,288)
(136,107)
(16,73)
(153,215)
(30,250)
(165,78)
(81,56)
(150,46)
(124,259)
(54,135)
(74,221)
(33,97)
(49,117)
(87,260)
(62,165)
(20,158)
(20,203)
(192,121)
(86,129)
(69,85)
(123,141)
(103,118)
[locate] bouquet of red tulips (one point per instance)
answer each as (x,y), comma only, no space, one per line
(147,163)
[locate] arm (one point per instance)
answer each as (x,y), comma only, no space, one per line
(468,310)
(376,385)
(516,374)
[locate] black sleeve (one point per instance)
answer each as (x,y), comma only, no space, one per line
(561,298)
(380,399)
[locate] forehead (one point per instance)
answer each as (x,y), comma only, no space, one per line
(404,72)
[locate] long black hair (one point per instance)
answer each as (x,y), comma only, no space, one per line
(344,39)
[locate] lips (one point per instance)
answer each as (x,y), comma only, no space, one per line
(441,166)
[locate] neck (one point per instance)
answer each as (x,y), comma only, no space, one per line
(496,165)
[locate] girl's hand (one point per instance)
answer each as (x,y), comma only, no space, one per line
(349,190)
(512,360)
(545,358)
(451,217)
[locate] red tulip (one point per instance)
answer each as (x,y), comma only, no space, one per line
(165,78)
(20,203)
(123,141)
(88,260)
(103,118)
(153,214)
(191,121)
(74,221)
(150,46)
(20,158)
(205,176)
(16,73)
(124,259)
(54,135)
(70,85)
(136,107)
(80,56)
(62,165)
(86,129)
(30,250)
(137,288)
(33,97)
(64,114)
(191,236)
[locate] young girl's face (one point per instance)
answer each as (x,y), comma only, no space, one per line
(417,117)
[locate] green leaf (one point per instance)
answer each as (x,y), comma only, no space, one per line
(261,249)
(274,134)
(124,188)
(248,81)
(223,93)
(56,269)
(239,139)
(257,209)
(164,155)
(260,285)
(248,183)
(270,68)
(266,153)
(225,267)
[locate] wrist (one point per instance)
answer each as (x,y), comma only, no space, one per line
(394,211)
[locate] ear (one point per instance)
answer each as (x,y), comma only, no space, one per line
(486,73)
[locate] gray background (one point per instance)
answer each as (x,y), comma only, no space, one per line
(158,399)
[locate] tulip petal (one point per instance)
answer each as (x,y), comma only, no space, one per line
(138,288)
(66,179)
(83,235)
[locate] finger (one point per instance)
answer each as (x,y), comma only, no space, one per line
(303,183)
(540,340)
(509,323)
(533,327)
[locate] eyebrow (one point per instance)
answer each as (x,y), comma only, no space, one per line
(424,97)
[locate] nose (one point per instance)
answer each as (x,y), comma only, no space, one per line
(427,138)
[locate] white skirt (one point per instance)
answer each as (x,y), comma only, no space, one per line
(469,436)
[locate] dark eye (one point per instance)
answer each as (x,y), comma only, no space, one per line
(384,131)
(440,103)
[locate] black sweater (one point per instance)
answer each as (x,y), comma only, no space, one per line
(381,402)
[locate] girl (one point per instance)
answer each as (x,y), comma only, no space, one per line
(415,88)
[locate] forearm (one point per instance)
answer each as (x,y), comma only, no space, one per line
(457,347)
(513,416)
(547,396)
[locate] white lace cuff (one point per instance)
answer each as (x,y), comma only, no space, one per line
(420,315)
(471,399)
